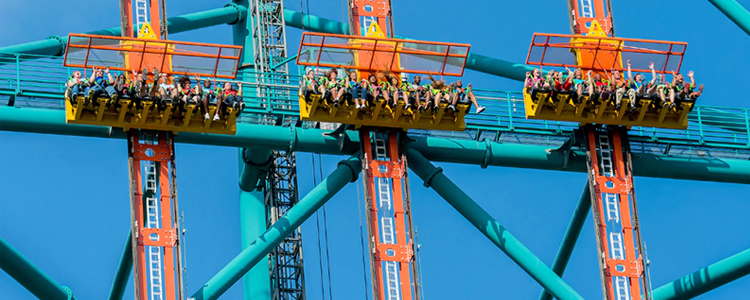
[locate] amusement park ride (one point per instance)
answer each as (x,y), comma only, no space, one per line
(371,48)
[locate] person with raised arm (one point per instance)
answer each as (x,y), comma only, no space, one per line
(98,85)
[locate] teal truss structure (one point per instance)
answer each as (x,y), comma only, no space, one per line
(715,147)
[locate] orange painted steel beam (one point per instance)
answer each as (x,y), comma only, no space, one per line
(166,235)
(600,11)
(631,266)
(379,9)
(401,251)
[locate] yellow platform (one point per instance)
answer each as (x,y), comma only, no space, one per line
(649,113)
(148,117)
(378,114)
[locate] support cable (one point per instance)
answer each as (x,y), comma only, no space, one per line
(325,228)
(317,222)
(362,242)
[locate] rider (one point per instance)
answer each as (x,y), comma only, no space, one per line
(98,84)
(461,94)
(76,86)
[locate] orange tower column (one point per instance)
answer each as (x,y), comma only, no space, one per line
(621,254)
(156,232)
(390,231)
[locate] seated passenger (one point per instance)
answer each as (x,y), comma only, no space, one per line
(436,93)
(165,88)
(122,86)
(99,85)
(357,88)
(461,94)
(209,97)
(607,87)
(394,89)
(549,80)
(332,87)
(533,80)
(619,87)
(76,86)
(638,88)
(577,82)
(678,88)
(417,92)
(185,92)
(232,98)
(691,94)
(376,91)
(139,85)
(311,84)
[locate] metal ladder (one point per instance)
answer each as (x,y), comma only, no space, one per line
(615,241)
(152,221)
(613,210)
(391,269)
(386,202)
(622,288)
(605,150)
(587,9)
(141,13)
(154,269)
(387,230)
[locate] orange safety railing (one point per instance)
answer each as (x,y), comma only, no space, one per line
(176,58)
(382,54)
(604,53)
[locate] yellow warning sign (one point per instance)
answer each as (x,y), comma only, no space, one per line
(374,31)
(596,30)
(146,32)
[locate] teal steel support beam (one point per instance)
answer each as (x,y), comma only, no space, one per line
(706,279)
(242,35)
(254,165)
(433,177)
(123,271)
(55,45)
(29,276)
(735,12)
(571,236)
(476,62)
(485,153)
(347,171)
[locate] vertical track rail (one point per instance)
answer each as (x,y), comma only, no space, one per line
(285,261)
(392,258)
(156,256)
(621,256)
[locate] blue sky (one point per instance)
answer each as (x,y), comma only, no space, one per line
(64,200)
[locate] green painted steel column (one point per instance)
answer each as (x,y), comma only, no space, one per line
(242,34)
(254,164)
(55,45)
(476,62)
(706,279)
(29,276)
(123,271)
(571,236)
(347,171)
(735,12)
(434,178)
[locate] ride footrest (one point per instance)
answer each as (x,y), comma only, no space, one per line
(378,113)
(127,113)
(546,105)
